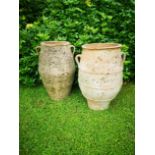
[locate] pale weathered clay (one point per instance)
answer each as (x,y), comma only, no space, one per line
(57,68)
(100,74)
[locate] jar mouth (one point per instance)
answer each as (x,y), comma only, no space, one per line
(99,46)
(55,43)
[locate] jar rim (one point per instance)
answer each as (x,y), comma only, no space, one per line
(55,43)
(99,46)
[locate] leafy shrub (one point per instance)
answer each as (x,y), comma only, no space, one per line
(30,10)
(78,22)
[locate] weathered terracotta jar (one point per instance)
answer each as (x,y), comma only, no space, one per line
(57,68)
(100,74)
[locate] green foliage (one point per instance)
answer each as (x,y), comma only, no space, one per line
(30,10)
(69,127)
(78,22)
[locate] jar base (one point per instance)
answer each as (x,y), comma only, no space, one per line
(98,105)
(59,94)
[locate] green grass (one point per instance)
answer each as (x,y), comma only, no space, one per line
(68,127)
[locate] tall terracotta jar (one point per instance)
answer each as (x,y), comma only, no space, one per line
(100,74)
(57,68)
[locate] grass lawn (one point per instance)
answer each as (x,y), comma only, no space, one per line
(68,127)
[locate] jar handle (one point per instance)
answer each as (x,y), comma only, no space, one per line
(77,57)
(72,46)
(123,56)
(37,48)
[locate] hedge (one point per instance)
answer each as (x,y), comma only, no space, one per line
(78,22)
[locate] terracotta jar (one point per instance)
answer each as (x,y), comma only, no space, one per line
(57,68)
(100,74)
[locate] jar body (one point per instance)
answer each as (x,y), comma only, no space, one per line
(57,68)
(100,76)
